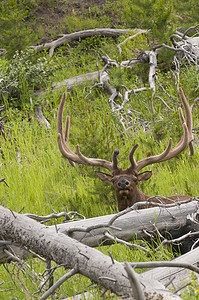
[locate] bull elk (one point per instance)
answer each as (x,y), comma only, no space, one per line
(125,180)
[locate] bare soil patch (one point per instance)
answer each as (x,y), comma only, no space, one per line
(49,15)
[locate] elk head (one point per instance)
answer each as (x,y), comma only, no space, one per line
(125,180)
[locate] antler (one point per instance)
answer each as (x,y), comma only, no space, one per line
(135,167)
(79,157)
(169,153)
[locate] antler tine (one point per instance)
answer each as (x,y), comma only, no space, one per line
(169,153)
(62,140)
(79,157)
(115,160)
(131,157)
(187,138)
(137,166)
(94,161)
(67,126)
(188,117)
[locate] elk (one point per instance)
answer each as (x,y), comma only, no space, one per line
(125,181)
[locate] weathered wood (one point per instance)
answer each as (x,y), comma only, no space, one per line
(175,278)
(74,255)
(77,80)
(82,34)
(7,247)
(40,117)
(91,231)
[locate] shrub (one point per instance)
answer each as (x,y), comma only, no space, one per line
(15,30)
(24,73)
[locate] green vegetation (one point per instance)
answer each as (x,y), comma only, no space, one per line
(39,178)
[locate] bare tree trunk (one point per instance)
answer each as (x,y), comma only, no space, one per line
(74,255)
(175,277)
(79,35)
(125,225)
(78,80)
(120,227)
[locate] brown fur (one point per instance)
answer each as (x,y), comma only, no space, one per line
(127,191)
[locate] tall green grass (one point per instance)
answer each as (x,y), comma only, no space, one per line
(42,181)
(39,177)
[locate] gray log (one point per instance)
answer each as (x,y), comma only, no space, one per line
(78,80)
(130,224)
(74,255)
(125,227)
(175,278)
(79,35)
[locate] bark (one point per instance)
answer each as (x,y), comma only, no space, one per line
(78,80)
(74,255)
(126,225)
(175,277)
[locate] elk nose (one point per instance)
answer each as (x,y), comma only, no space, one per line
(123,184)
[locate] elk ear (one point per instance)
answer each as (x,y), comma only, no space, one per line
(144,176)
(104,177)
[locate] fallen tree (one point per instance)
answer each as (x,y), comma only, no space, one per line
(67,245)
(84,34)
(184,49)
(174,220)
(132,222)
(79,258)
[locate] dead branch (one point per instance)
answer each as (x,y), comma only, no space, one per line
(189,29)
(138,292)
(124,115)
(140,31)
(48,217)
(170,264)
(40,117)
(91,231)
(179,239)
(81,35)
(55,286)
(185,49)
(175,277)
(119,241)
(152,71)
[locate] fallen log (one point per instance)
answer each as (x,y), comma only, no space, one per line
(77,80)
(83,34)
(122,227)
(130,223)
(78,257)
(175,278)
